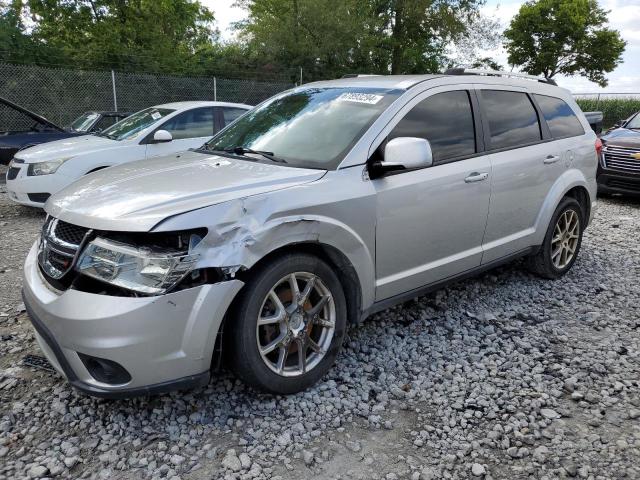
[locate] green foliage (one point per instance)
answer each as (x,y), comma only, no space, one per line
(326,38)
(332,37)
(613,109)
(138,35)
(548,37)
(487,63)
(15,45)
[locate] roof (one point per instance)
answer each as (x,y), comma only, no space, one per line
(197,103)
(376,81)
(405,82)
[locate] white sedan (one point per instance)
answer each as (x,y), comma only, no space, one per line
(38,172)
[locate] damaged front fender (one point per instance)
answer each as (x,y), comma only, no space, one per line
(241,232)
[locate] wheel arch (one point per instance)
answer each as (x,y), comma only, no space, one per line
(581,195)
(331,255)
(571,184)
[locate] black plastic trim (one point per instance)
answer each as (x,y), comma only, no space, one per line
(432,287)
(184,383)
(605,177)
(39,197)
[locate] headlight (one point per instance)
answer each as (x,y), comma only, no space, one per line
(45,168)
(150,271)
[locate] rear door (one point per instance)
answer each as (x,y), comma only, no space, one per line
(564,127)
(525,163)
(190,129)
(430,222)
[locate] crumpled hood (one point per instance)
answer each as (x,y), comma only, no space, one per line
(69,147)
(137,196)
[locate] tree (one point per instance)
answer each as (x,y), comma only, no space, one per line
(482,34)
(333,37)
(138,35)
(569,37)
(15,45)
(421,30)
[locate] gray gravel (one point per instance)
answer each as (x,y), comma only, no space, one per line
(503,376)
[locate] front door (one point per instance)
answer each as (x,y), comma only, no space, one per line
(189,129)
(431,222)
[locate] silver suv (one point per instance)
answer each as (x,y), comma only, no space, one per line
(319,207)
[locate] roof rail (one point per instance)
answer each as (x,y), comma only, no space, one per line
(496,73)
(358,75)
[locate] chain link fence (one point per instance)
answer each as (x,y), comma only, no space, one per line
(61,95)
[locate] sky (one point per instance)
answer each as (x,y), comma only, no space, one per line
(624,16)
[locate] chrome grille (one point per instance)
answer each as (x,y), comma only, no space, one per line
(59,245)
(622,158)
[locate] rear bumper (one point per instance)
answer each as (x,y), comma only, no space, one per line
(164,342)
(610,181)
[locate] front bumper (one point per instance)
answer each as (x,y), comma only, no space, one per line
(612,181)
(164,342)
(41,186)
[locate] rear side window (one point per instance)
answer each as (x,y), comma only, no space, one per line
(230,114)
(446,120)
(560,118)
(191,124)
(513,120)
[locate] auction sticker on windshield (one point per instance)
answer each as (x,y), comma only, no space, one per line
(368,98)
(156,115)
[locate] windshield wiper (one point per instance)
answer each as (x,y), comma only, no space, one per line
(243,151)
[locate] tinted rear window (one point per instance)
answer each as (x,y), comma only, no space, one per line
(513,120)
(446,120)
(560,118)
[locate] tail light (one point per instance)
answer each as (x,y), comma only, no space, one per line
(598,147)
(599,156)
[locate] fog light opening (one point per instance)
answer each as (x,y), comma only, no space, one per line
(105,371)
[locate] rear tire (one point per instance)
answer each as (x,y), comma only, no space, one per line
(289,324)
(561,243)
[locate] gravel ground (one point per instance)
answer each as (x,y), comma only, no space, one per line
(505,376)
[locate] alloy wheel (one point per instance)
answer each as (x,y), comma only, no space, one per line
(296,324)
(566,235)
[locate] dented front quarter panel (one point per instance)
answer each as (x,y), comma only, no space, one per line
(337,210)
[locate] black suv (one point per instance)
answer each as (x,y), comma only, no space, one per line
(619,166)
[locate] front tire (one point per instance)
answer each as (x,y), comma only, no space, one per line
(562,241)
(288,325)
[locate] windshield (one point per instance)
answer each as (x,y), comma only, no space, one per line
(134,124)
(634,122)
(84,122)
(310,128)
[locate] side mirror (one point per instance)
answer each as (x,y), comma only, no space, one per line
(162,136)
(404,153)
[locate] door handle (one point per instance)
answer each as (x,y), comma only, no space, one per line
(551,159)
(476,177)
